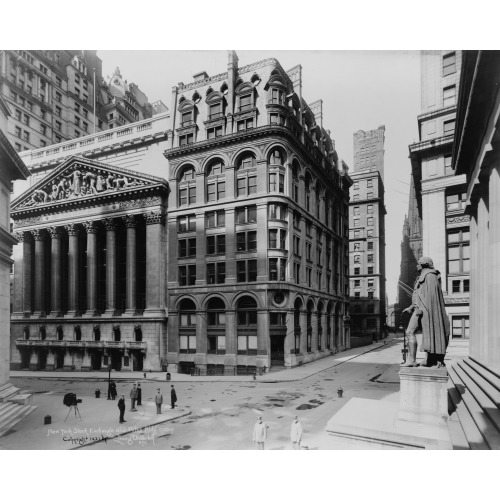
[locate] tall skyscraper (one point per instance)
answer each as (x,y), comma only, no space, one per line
(367,238)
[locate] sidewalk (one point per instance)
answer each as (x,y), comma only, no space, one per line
(286,375)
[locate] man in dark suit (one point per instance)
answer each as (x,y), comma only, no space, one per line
(139,395)
(121,407)
(173,397)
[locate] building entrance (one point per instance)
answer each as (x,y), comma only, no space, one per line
(59,356)
(277,350)
(96,360)
(116,360)
(42,359)
(25,360)
(137,361)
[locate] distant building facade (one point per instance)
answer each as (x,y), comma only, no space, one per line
(367,239)
(11,169)
(52,97)
(439,193)
(257,223)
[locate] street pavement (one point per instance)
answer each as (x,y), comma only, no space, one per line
(210,416)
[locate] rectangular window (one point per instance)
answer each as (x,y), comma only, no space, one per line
(246,241)
(246,270)
(449,127)
(58,97)
(449,95)
(245,102)
(216,344)
(370,257)
(456,201)
(370,245)
(449,64)
(187,344)
(356,185)
(186,139)
(369,183)
(277,211)
(277,319)
(277,269)
(216,273)
(458,252)
(247,344)
(186,223)
(370,270)
(369,221)
(356,222)
(370,282)
(214,132)
(216,244)
(187,319)
(215,219)
(18,132)
(466,286)
(357,283)
(460,327)
(369,209)
(246,215)
(356,210)
(26,136)
(187,247)
(455,286)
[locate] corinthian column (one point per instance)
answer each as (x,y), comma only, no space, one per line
(91,228)
(22,275)
(131,223)
(55,269)
(72,270)
(155,300)
(39,235)
(110,225)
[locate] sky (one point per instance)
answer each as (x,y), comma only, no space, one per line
(359,89)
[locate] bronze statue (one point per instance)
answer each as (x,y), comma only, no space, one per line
(428,315)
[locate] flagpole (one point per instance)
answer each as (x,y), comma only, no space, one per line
(94,101)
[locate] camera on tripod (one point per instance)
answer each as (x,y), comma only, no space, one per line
(70,399)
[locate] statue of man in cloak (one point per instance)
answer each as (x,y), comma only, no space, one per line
(428,315)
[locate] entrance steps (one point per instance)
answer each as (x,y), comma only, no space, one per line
(474,404)
(13,407)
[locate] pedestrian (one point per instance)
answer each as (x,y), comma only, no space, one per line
(173,397)
(158,401)
(296,433)
(121,407)
(259,434)
(133,398)
(139,395)
(112,390)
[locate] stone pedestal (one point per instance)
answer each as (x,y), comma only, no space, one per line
(68,361)
(424,396)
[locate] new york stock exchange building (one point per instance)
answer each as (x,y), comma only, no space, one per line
(89,283)
(238,262)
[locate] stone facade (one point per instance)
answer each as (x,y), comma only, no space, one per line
(11,168)
(367,239)
(89,287)
(257,223)
(440,194)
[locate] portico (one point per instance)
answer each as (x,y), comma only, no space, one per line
(89,272)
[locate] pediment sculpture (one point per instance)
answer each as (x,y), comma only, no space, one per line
(80,183)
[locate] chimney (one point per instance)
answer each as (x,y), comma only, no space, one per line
(202,75)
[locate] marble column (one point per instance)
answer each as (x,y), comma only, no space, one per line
(39,236)
(91,228)
(155,298)
(131,223)
(56,276)
(73,274)
(22,275)
(110,225)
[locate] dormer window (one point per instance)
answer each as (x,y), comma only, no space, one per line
(215,111)
(245,102)
(277,96)
(186,119)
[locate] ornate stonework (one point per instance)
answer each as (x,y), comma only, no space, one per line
(90,226)
(157,217)
(458,220)
(109,223)
(130,220)
(55,232)
(39,234)
(72,229)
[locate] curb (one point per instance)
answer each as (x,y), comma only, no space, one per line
(135,429)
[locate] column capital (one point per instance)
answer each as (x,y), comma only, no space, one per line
(129,220)
(90,226)
(72,229)
(157,217)
(55,232)
(39,234)
(109,224)
(23,237)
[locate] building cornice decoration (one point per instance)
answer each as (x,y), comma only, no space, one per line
(214,122)
(130,221)
(458,219)
(243,115)
(39,234)
(72,229)
(55,232)
(90,226)
(157,217)
(109,223)
(22,236)
(188,129)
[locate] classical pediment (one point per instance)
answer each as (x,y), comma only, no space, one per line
(80,179)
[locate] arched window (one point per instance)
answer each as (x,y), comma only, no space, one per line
(187,326)
(216,313)
(78,333)
(295,180)
(138,333)
(308,191)
(276,174)
(60,333)
(320,325)
(296,325)
(246,176)
(318,193)
(117,334)
(187,186)
(246,319)
(215,181)
(97,333)
(43,333)
(310,307)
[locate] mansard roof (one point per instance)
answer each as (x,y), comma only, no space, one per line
(81,181)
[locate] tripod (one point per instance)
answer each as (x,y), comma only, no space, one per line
(77,411)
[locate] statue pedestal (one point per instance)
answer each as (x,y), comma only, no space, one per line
(424,395)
